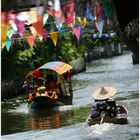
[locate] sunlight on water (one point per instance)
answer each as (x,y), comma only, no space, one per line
(23,108)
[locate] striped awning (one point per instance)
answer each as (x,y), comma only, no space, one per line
(57,66)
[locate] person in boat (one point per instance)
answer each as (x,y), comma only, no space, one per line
(51,86)
(102,102)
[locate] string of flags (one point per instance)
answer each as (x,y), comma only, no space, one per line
(36,18)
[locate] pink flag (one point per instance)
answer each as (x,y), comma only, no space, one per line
(20,26)
(77,31)
(68,10)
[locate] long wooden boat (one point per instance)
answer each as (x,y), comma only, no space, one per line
(44,101)
(40,96)
(120,118)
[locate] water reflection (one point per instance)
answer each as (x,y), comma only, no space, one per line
(45,123)
(48,119)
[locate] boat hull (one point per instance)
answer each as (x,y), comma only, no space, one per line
(47,102)
(121,118)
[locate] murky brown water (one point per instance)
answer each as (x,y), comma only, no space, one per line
(68,122)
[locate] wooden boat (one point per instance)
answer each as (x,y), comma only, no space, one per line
(41,96)
(120,118)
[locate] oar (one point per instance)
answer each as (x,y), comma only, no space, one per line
(102,118)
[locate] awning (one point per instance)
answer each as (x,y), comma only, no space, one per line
(57,66)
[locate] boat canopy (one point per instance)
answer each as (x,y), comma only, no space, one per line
(57,66)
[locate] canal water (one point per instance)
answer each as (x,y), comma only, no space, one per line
(18,122)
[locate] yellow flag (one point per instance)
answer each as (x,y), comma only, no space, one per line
(4,30)
(3,45)
(79,19)
(54,36)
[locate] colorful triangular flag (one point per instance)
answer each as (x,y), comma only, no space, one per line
(33,31)
(39,28)
(45,18)
(20,26)
(3,44)
(77,31)
(30,40)
(10,33)
(99,26)
(8,44)
(13,25)
(4,30)
(54,36)
(68,10)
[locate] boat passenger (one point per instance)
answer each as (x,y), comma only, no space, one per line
(102,104)
(51,86)
(98,107)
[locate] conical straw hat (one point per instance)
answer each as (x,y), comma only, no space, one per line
(104,92)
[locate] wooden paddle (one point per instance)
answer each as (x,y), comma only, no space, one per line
(102,118)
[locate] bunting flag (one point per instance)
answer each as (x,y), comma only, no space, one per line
(55,9)
(102,15)
(62,31)
(13,25)
(54,36)
(68,10)
(3,45)
(88,13)
(8,44)
(45,18)
(81,21)
(10,33)
(38,26)
(22,16)
(5,17)
(58,20)
(45,34)
(77,32)
(30,40)
(4,30)
(98,12)
(32,17)
(33,31)
(20,26)
(58,23)
(40,18)
(99,26)
(108,7)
